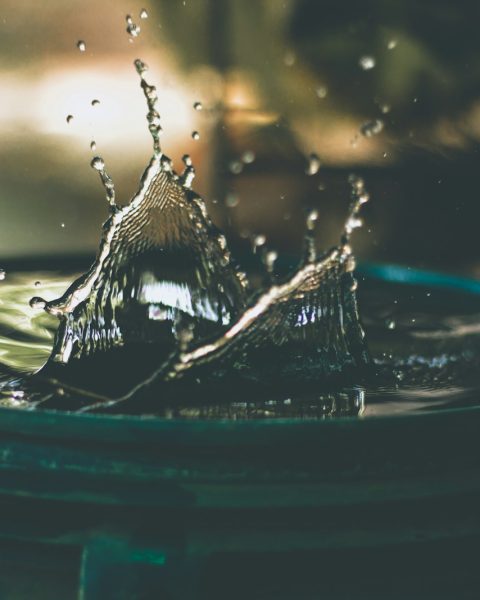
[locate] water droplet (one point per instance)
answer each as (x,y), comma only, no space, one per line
(37,283)
(140,66)
(269,260)
(81,45)
(248,157)
(313,164)
(321,91)
(311,220)
(367,63)
(290,58)
(371,128)
(132,28)
(385,108)
(187,161)
(391,324)
(143,14)
(259,240)
(3,274)
(197,105)
(37,302)
(392,44)
(95,102)
(356,182)
(231,200)
(195,135)
(97,163)
(69,118)
(235,167)
(93,145)
(62,225)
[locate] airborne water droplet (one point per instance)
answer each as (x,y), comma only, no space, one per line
(321,91)
(392,44)
(93,145)
(313,164)
(69,118)
(143,14)
(371,128)
(259,240)
(235,167)
(97,163)
(312,219)
(269,260)
(231,200)
(290,58)
(197,105)
(3,274)
(195,135)
(367,63)
(95,102)
(391,324)
(248,157)
(81,45)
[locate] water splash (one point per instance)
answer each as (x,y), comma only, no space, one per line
(164,277)
(160,258)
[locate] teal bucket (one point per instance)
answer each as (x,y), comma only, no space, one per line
(121,507)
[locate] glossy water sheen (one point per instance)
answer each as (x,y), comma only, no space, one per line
(425,343)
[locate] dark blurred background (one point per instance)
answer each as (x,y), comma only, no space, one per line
(388,89)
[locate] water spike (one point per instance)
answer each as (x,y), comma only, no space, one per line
(359,197)
(187,177)
(153,117)
(310,250)
(98,164)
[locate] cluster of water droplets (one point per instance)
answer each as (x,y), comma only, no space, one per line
(132,28)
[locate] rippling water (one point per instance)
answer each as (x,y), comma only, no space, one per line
(425,343)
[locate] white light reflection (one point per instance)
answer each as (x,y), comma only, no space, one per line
(43,104)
